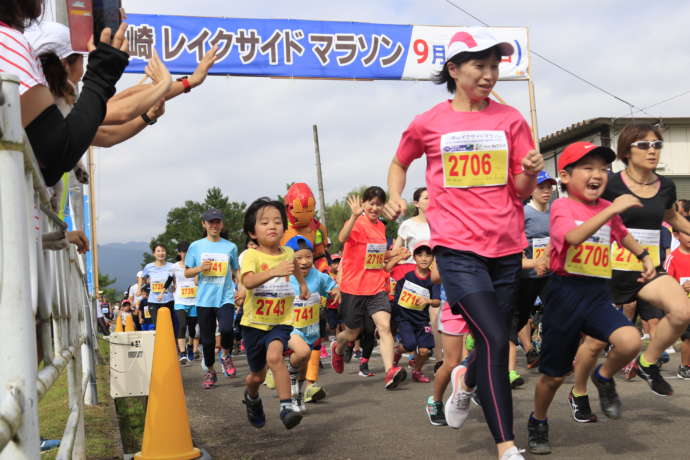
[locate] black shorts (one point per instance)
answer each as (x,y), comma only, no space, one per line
(624,285)
(413,336)
(355,308)
(332,317)
(256,343)
(648,311)
(574,305)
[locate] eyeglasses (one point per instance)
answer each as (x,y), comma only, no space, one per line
(646,145)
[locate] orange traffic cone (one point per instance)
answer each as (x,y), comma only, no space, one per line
(129,323)
(118,323)
(166,431)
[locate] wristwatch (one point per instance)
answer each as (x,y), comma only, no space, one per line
(147,120)
(643,254)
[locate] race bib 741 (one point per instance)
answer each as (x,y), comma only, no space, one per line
(219,264)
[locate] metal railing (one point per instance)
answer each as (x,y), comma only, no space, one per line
(47,319)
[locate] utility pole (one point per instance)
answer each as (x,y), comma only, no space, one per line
(319,175)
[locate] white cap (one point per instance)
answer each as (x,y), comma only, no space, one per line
(474,40)
(49,36)
(140,274)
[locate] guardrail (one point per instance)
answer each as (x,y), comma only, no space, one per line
(47,317)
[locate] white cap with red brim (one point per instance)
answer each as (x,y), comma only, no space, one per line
(474,40)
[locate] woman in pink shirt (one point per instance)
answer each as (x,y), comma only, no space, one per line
(480,166)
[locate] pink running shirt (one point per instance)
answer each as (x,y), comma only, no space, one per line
(566,214)
(485,216)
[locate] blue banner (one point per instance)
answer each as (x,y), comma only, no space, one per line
(271,47)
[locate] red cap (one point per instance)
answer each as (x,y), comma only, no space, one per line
(578,150)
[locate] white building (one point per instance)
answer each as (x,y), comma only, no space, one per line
(675,157)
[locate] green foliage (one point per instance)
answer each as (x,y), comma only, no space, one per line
(110,294)
(184,223)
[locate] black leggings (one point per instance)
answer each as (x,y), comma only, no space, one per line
(153,310)
(527,292)
(185,325)
(208,318)
(367,338)
(483,290)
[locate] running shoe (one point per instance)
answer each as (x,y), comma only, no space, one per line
(183,358)
(434,410)
(538,437)
(608,397)
(664,358)
(269,381)
(324,353)
(190,353)
(515,379)
(49,444)
(683,372)
(630,370)
(255,411)
(513,454)
(347,353)
(364,370)
(298,404)
(437,365)
(418,376)
(652,375)
(394,377)
(209,380)
(457,406)
(290,418)
(336,360)
(228,366)
(314,393)
(579,406)
(532,358)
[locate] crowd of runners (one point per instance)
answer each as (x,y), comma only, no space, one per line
(490,264)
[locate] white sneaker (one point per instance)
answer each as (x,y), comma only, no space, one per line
(298,404)
(670,350)
(513,454)
(457,406)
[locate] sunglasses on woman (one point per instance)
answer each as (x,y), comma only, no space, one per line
(646,145)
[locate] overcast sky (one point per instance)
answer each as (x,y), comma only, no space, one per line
(251,136)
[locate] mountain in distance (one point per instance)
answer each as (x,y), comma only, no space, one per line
(122,261)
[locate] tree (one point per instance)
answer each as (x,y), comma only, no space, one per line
(110,294)
(184,223)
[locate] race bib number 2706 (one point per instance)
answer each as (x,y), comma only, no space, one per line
(474,159)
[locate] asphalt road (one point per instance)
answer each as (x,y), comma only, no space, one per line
(360,420)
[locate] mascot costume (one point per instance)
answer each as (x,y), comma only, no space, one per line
(301,208)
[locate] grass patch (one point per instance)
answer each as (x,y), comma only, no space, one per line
(101,429)
(131,413)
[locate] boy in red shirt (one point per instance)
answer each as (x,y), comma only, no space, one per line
(678,266)
(577,299)
(364,281)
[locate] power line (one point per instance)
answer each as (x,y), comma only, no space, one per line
(569,72)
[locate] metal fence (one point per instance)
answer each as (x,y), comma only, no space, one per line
(47,318)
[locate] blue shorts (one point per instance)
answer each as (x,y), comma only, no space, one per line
(256,343)
(190,310)
(413,336)
(310,334)
(574,305)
